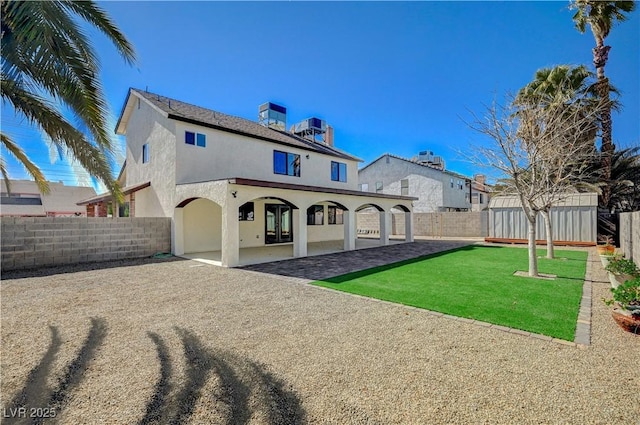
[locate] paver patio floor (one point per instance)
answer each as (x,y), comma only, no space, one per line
(329,265)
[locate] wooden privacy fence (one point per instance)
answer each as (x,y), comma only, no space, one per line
(630,235)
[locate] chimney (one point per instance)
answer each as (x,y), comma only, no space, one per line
(480,178)
(329,136)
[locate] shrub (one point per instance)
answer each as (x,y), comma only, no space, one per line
(627,295)
(619,265)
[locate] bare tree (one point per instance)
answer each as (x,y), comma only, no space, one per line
(541,153)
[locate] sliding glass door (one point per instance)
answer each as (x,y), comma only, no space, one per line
(278,223)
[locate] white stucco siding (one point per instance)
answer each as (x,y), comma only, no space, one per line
(202,224)
(232,155)
(427,190)
(148,203)
(456,197)
(148,126)
(431,186)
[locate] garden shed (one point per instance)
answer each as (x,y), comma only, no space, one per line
(574,219)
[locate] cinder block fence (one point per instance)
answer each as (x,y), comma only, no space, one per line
(28,242)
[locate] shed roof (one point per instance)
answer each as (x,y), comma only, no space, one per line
(571,200)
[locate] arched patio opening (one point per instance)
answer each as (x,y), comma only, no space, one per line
(198,228)
(267,229)
(326,230)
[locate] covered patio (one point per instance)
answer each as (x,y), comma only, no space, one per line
(270,253)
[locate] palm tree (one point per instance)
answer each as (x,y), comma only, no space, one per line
(625,179)
(601,16)
(48,63)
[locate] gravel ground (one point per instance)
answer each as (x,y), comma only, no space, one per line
(182,342)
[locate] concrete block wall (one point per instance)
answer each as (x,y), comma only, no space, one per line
(630,235)
(446,224)
(28,242)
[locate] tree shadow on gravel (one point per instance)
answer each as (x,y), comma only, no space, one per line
(239,380)
(36,395)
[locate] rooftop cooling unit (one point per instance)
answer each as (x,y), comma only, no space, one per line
(425,157)
(273,116)
(310,127)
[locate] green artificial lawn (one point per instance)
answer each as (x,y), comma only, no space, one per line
(477,282)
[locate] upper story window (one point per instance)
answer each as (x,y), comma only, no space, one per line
(145,153)
(364,187)
(460,184)
(404,187)
(451,183)
(286,163)
(315,215)
(379,187)
(338,171)
(199,139)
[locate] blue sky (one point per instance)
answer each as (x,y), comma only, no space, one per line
(397,77)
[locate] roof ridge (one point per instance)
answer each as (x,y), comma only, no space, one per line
(205,116)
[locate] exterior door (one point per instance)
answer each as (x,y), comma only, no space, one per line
(278,224)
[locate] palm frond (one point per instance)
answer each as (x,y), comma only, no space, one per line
(29,166)
(40,113)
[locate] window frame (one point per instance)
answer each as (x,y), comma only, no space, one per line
(337,212)
(145,153)
(312,214)
(290,167)
(340,169)
(404,187)
(193,138)
(245,210)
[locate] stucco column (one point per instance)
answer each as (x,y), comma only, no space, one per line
(385,227)
(177,232)
(349,219)
(299,233)
(408,226)
(230,235)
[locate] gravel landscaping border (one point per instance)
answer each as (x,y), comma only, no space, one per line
(163,341)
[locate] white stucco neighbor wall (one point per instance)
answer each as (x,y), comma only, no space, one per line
(147,125)
(229,155)
(432,187)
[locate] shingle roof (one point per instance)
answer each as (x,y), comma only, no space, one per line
(193,114)
(60,199)
(451,173)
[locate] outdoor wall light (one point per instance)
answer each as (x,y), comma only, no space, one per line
(307,156)
(234,193)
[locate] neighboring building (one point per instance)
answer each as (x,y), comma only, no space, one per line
(480,193)
(437,190)
(229,183)
(25,200)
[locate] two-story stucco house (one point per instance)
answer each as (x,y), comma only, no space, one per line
(231,184)
(437,190)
